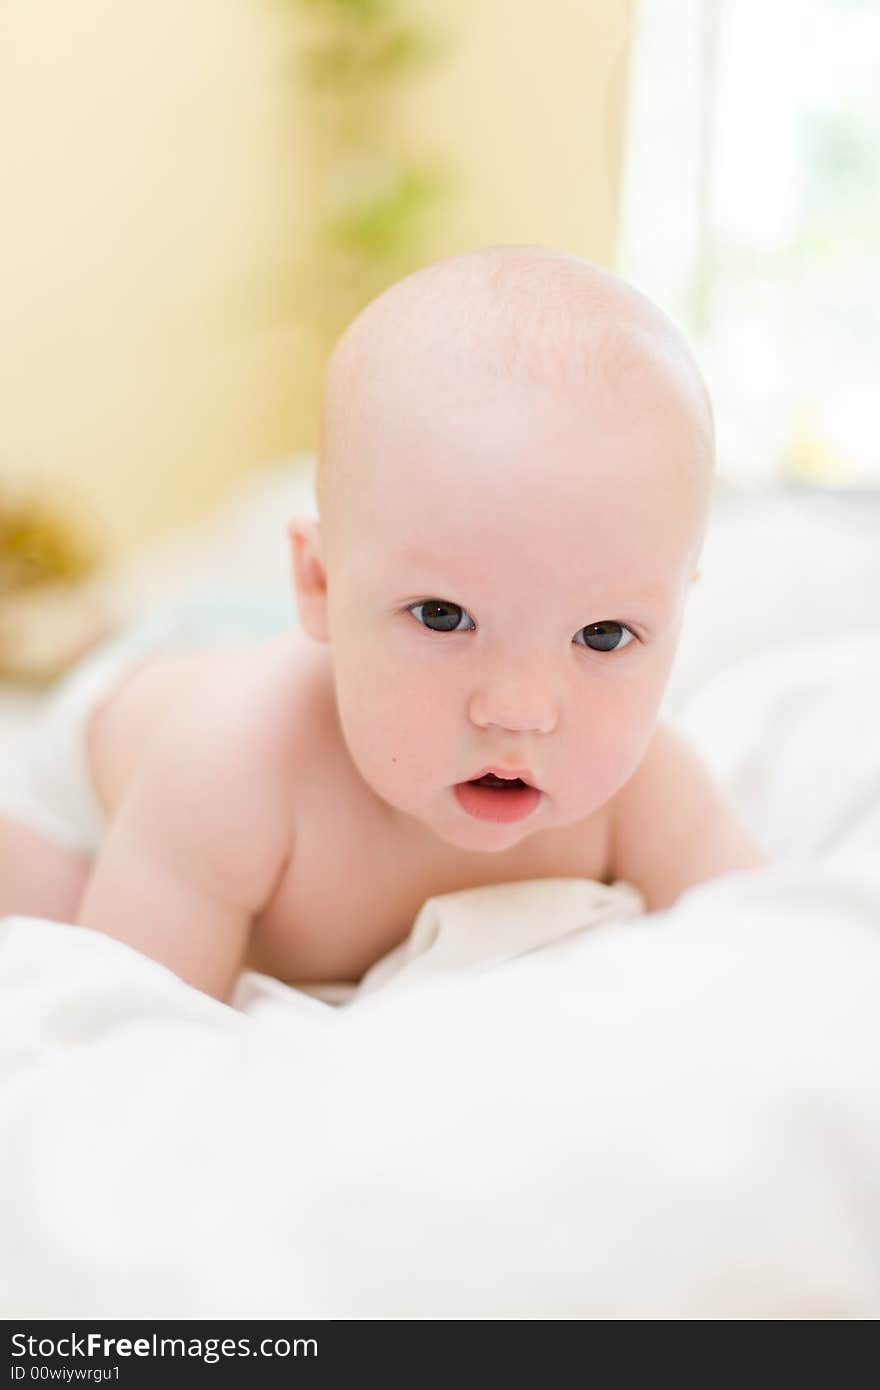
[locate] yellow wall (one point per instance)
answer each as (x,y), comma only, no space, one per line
(529,103)
(154,202)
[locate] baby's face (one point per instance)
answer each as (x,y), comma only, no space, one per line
(508,589)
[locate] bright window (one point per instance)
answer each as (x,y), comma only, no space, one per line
(751,213)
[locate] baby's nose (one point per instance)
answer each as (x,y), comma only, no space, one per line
(521,705)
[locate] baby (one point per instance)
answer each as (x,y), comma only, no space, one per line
(514,473)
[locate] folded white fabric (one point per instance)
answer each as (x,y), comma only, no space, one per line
(672,1115)
(466,930)
(456,931)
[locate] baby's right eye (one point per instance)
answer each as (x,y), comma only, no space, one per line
(440,616)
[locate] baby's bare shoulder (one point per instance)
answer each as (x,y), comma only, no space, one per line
(237,711)
(216,778)
(672,825)
(252,707)
(664,787)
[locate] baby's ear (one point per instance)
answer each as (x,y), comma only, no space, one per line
(309,576)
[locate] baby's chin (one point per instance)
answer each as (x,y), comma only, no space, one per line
(478,837)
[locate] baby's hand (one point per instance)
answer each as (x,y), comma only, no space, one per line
(672,827)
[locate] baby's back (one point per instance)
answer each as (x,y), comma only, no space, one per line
(238,752)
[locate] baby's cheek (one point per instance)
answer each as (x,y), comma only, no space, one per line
(392,720)
(632,741)
(422,725)
(612,736)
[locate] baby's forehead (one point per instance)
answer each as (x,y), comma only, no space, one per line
(459,371)
(578,537)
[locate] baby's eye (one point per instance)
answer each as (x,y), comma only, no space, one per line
(440,616)
(606,636)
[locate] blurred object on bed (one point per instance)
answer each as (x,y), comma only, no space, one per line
(48,619)
(37,543)
(240,545)
(44,631)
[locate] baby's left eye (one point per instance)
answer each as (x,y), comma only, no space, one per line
(606,636)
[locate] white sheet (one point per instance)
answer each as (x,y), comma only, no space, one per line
(795,741)
(671,1116)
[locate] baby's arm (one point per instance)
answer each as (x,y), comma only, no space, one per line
(197,844)
(671,826)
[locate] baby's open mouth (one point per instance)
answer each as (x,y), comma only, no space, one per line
(490,780)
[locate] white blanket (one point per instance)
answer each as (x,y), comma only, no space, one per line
(667,1116)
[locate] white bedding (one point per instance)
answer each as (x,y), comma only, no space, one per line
(672,1116)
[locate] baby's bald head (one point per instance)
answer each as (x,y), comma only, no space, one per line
(493,325)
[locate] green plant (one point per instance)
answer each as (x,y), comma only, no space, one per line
(372,191)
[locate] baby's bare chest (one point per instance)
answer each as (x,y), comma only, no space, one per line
(354,885)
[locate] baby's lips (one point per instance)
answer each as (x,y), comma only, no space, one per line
(487,803)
